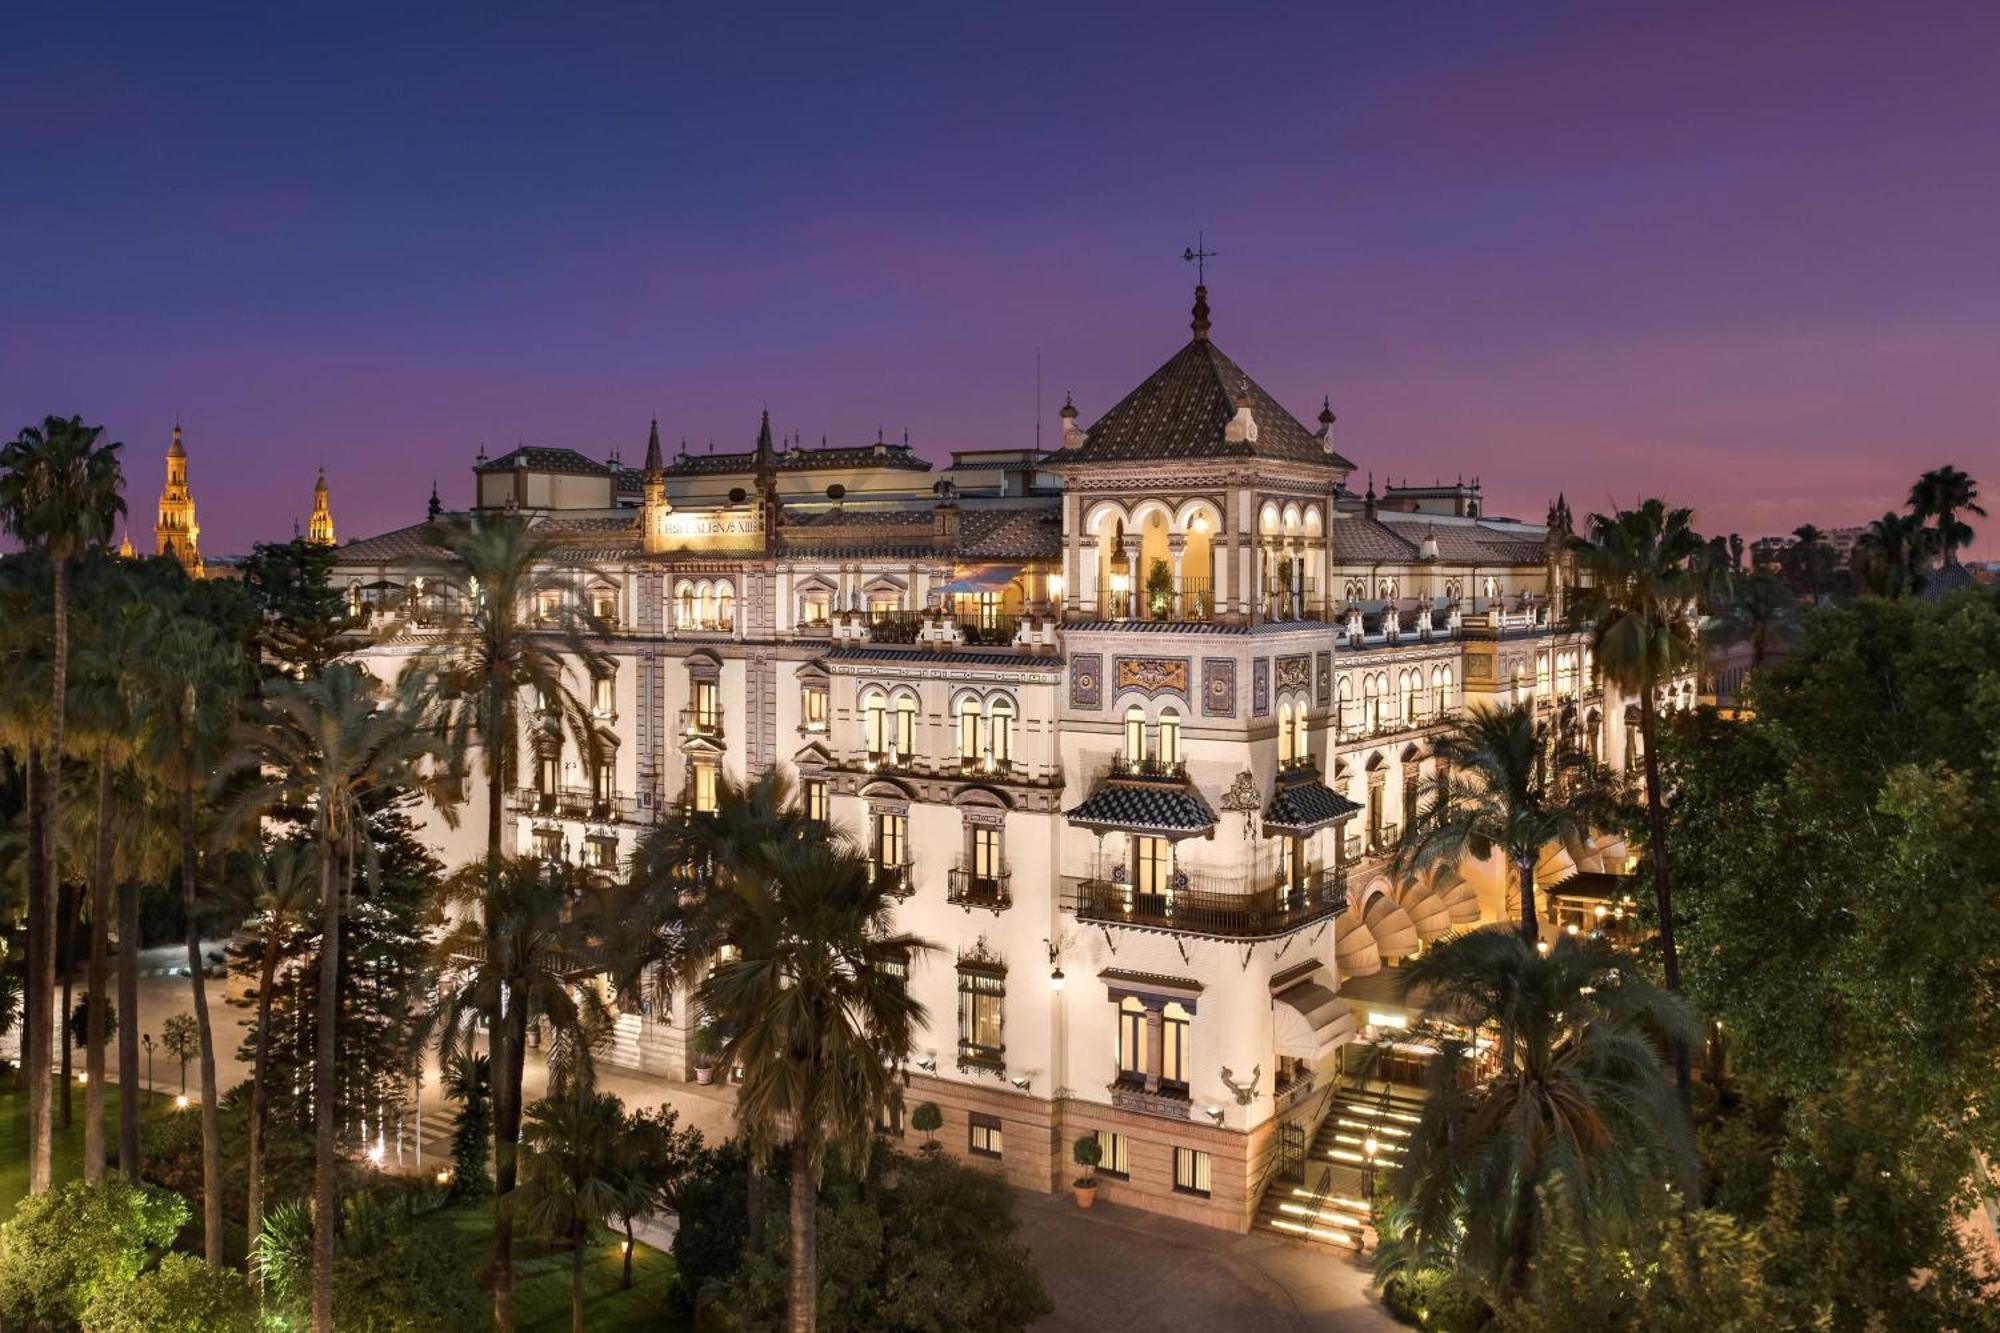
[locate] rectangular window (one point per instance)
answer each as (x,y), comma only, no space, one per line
(1131,1037)
(546,775)
(548,604)
(707,705)
(604,606)
(1152,864)
(603,783)
(815,789)
(906,728)
(1117,1161)
(981,1035)
(815,609)
(1174,1030)
(813,708)
(984,1140)
(548,845)
(704,788)
(985,853)
(1191,1172)
(892,838)
(603,853)
(601,695)
(889,1119)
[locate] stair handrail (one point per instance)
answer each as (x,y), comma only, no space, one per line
(1269,1170)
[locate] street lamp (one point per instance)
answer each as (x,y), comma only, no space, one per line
(147,1041)
(1369,1147)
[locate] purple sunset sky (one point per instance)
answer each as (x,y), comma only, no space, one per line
(1740,255)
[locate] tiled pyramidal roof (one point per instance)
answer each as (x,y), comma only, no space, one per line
(1183,410)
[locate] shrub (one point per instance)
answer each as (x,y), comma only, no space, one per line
(927,1120)
(182,1295)
(1088,1152)
(61,1247)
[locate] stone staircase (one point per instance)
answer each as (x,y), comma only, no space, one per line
(634,1046)
(1330,1204)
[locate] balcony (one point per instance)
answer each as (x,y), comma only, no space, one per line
(894,626)
(1190,601)
(1280,602)
(705,723)
(1219,906)
(1170,1100)
(579,803)
(984,766)
(988,631)
(1429,708)
(895,878)
(1148,766)
(969,889)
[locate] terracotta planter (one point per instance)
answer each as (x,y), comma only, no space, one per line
(704,1074)
(1086,1195)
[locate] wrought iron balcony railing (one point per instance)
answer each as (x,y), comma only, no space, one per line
(969,888)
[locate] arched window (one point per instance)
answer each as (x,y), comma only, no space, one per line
(1287,737)
(684,604)
(874,706)
(1000,731)
(1413,695)
(968,730)
(1371,707)
(1170,737)
(725,606)
(906,726)
(1135,733)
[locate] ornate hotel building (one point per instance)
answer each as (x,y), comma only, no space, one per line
(1131,725)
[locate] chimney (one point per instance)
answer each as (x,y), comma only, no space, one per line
(1072,438)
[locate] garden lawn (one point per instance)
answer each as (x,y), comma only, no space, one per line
(541,1278)
(541,1275)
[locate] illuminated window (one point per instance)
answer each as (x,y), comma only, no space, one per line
(815,608)
(892,839)
(1117,1151)
(984,1139)
(874,708)
(604,605)
(603,853)
(548,845)
(1191,1172)
(707,705)
(704,788)
(1131,1037)
(1170,737)
(1135,733)
(982,998)
(1152,863)
(602,692)
(968,730)
(815,792)
(1000,731)
(1174,1030)
(906,726)
(725,606)
(813,707)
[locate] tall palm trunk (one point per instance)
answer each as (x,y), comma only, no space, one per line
(802,1310)
(66,924)
(211,1111)
(325,1193)
(128,1031)
(93,1032)
(1531,925)
(510,1052)
(42,980)
(39,994)
(1663,897)
(260,1093)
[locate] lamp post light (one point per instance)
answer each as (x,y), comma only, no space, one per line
(1369,1147)
(146,1040)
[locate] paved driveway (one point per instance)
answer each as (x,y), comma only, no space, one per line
(1114,1267)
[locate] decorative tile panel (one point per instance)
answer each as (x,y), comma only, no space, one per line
(1260,687)
(1218,687)
(1086,681)
(1150,676)
(1323,682)
(1295,672)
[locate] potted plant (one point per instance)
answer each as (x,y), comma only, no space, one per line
(1159,588)
(707,1047)
(1088,1152)
(928,1120)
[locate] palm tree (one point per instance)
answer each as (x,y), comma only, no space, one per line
(1496,788)
(510,961)
(109,655)
(194,678)
(1642,606)
(281,883)
(1575,1109)
(1943,493)
(819,1018)
(326,745)
(524,621)
(1894,554)
(668,928)
(1762,612)
(574,1177)
(1811,557)
(59,494)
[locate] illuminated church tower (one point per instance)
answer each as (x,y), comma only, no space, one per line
(319,528)
(177,534)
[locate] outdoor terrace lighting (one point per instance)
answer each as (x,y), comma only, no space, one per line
(1214,1113)
(1021,1082)
(1542,948)
(444,1175)
(1056,979)
(181,1102)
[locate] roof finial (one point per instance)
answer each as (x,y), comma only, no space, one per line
(1199,255)
(436,506)
(653,461)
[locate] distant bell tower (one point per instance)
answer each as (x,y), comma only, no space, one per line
(653,506)
(176,533)
(319,528)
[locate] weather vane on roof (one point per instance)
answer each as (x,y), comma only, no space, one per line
(1199,256)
